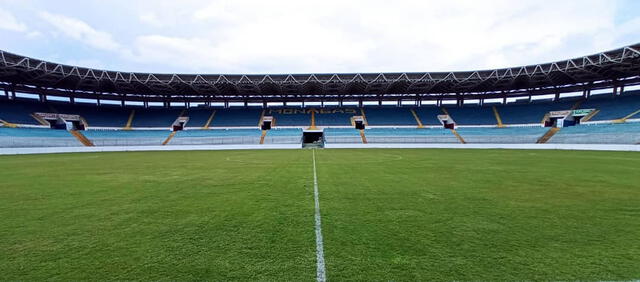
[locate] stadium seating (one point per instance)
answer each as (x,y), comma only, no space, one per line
(236,136)
(410,135)
(198,117)
(126,137)
(36,137)
(290,116)
(624,133)
(240,125)
(237,117)
(530,113)
(504,135)
(155,117)
(20,111)
(611,107)
(335,116)
(390,135)
(472,115)
(390,116)
(429,115)
(283,136)
(102,116)
(217,137)
(342,135)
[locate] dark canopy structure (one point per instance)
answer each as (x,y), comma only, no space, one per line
(610,69)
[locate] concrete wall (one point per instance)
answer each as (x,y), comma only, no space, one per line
(48,150)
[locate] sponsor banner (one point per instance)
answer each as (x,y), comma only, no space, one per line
(50,116)
(298,111)
(582,112)
(559,114)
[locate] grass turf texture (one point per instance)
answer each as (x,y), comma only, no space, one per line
(387,215)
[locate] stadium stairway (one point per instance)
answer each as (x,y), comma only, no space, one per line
(364,117)
(589,116)
(624,119)
(313,120)
(364,138)
(83,139)
(262,136)
(40,120)
(262,118)
(130,120)
(415,115)
(206,125)
(171,135)
(458,136)
(8,124)
(545,138)
(497,115)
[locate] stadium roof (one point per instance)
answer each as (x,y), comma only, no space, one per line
(603,70)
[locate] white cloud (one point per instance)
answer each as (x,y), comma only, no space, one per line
(340,36)
(34,34)
(306,36)
(9,22)
(81,31)
(150,18)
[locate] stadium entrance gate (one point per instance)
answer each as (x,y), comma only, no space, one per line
(313,138)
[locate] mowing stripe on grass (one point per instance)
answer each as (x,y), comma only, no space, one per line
(320,273)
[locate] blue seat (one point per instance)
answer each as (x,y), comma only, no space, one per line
(285,132)
(155,117)
(126,133)
(493,131)
(290,116)
(529,113)
(219,133)
(97,116)
(390,116)
(625,133)
(33,132)
(341,132)
(20,111)
(612,107)
(330,116)
(237,117)
(407,132)
(198,117)
(429,114)
(472,115)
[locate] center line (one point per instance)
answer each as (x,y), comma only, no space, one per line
(321,274)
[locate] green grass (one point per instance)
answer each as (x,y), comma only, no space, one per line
(387,215)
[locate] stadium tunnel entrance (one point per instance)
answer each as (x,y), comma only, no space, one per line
(313,137)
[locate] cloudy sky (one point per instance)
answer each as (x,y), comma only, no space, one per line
(253,36)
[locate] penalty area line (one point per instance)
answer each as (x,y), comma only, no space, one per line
(321,275)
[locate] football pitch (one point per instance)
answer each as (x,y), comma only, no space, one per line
(386,214)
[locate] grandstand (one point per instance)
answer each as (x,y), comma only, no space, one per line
(609,119)
(547,103)
(514,110)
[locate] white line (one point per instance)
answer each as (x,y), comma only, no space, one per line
(321,275)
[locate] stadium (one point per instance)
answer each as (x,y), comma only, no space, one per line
(520,173)
(427,108)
